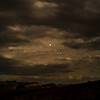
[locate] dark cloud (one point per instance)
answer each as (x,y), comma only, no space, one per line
(9,66)
(77,16)
(74,15)
(14,11)
(80,18)
(12,37)
(83,43)
(6,65)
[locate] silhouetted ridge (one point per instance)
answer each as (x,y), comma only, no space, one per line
(84,91)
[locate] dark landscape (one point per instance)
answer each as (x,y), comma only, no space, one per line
(12,90)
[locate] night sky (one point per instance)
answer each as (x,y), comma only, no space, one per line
(50,40)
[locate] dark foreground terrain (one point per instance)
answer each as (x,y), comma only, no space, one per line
(12,90)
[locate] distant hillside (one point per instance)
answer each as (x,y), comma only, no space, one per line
(30,91)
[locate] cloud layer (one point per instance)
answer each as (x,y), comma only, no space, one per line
(50,39)
(74,15)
